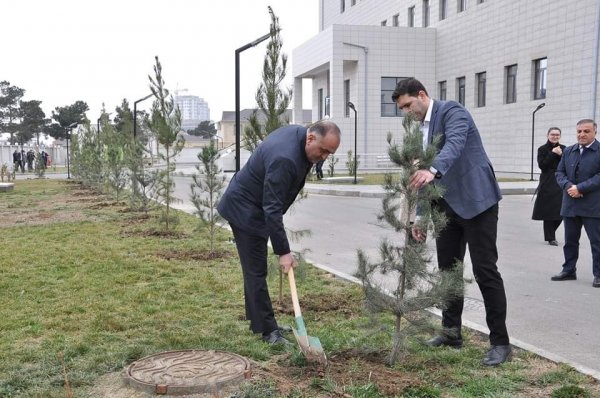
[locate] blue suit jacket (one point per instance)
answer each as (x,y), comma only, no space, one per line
(583,171)
(467,174)
(261,192)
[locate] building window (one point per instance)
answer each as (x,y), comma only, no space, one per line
(411,17)
(396,20)
(510,79)
(388,107)
(442,90)
(480,79)
(462,5)
(384,22)
(425,13)
(460,90)
(352,2)
(480,1)
(539,68)
(320,103)
(443,9)
(342,5)
(346,97)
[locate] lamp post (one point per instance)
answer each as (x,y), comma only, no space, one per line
(351,106)
(135,113)
(540,106)
(237,95)
(69,129)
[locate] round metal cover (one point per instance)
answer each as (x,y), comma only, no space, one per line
(187,372)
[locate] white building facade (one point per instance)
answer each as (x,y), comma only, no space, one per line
(193,111)
(500,58)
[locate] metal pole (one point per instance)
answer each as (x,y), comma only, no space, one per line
(135,113)
(540,106)
(237,96)
(68,162)
(355,141)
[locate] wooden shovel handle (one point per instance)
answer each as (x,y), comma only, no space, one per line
(294,293)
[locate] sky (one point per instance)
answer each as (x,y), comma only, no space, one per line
(102,51)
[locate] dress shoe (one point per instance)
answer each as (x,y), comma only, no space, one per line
(564,276)
(443,340)
(553,242)
(496,355)
(274,337)
(596,282)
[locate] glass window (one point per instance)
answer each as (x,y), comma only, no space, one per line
(460,90)
(510,79)
(480,79)
(342,5)
(425,13)
(462,5)
(389,107)
(539,84)
(396,20)
(411,17)
(443,9)
(346,97)
(442,90)
(352,2)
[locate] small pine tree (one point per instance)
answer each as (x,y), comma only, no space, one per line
(166,125)
(416,287)
(350,162)
(331,162)
(40,164)
(207,189)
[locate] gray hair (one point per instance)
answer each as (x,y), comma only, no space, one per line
(324,127)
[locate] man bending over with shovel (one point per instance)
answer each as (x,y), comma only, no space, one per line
(256,200)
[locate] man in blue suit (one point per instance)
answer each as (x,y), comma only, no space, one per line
(470,203)
(578,174)
(256,200)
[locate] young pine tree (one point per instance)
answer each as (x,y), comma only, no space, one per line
(165,123)
(207,189)
(406,262)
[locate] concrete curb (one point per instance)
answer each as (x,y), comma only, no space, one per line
(374,193)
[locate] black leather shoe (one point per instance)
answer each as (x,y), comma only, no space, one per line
(596,282)
(275,337)
(443,340)
(553,242)
(496,355)
(564,276)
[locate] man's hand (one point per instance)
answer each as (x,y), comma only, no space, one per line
(418,234)
(574,192)
(421,178)
(286,262)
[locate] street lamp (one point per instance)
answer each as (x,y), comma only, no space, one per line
(135,113)
(540,106)
(70,128)
(351,106)
(237,95)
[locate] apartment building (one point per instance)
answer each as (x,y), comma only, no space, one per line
(500,58)
(193,111)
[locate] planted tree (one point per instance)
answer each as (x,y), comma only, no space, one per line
(10,111)
(165,123)
(350,162)
(404,260)
(331,162)
(64,116)
(114,159)
(33,120)
(207,190)
(206,129)
(86,161)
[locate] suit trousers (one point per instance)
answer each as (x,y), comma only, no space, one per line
(573,233)
(479,233)
(252,250)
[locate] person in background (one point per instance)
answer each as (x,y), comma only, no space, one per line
(578,175)
(319,169)
(549,195)
(256,200)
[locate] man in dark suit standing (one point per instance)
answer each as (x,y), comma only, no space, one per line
(470,202)
(578,175)
(256,200)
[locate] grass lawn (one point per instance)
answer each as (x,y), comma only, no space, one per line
(88,287)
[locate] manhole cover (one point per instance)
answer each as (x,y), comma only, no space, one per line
(187,372)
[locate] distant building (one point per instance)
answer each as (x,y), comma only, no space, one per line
(193,111)
(226,126)
(501,59)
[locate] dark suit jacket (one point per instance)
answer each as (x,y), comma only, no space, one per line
(261,192)
(467,174)
(583,171)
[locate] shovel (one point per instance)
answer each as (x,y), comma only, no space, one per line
(310,346)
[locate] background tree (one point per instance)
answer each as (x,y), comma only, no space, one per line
(165,123)
(206,190)
(64,116)
(206,129)
(33,120)
(10,112)
(270,98)
(417,286)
